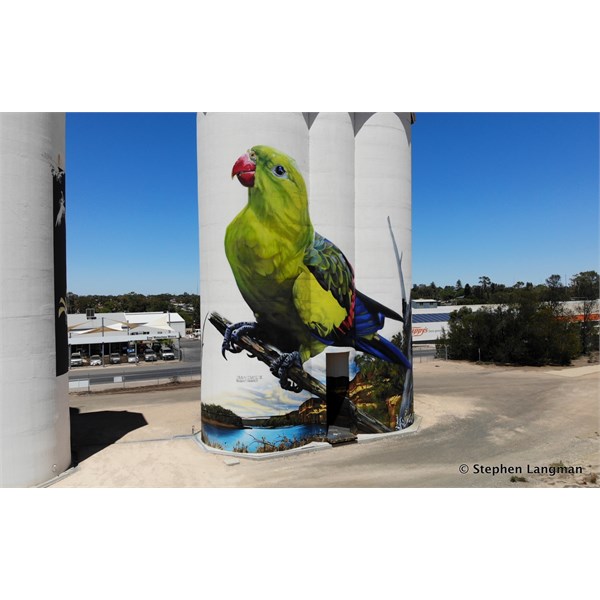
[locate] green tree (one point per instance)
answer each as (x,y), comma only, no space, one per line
(448,293)
(555,291)
(585,287)
(525,333)
(485,282)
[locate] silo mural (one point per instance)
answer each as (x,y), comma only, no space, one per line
(295,348)
(34,421)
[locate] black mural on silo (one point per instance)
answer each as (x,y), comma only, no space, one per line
(60,271)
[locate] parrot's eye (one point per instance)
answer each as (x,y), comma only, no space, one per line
(280,171)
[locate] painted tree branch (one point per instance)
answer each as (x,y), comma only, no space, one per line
(267,354)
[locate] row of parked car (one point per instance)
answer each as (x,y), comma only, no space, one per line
(114,358)
(164,353)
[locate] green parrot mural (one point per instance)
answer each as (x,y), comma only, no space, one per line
(298,284)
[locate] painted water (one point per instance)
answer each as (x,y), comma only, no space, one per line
(261,439)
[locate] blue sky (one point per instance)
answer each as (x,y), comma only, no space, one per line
(132,221)
(513,196)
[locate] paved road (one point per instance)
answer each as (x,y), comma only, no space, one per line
(190,365)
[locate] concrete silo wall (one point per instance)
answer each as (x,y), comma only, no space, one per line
(34,417)
(356,170)
(383,189)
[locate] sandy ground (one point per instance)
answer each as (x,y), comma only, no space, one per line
(514,420)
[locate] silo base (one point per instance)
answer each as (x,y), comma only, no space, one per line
(361,438)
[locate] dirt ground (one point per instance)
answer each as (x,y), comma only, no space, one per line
(481,427)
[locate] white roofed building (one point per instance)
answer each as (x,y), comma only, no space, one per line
(123,327)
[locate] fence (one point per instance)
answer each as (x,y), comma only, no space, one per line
(119,382)
(425,352)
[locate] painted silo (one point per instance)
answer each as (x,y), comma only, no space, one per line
(34,418)
(305,249)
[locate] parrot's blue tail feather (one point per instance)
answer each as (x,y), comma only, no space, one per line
(372,306)
(381,348)
(369,316)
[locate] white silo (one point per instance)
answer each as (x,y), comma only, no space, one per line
(34,418)
(307,210)
(383,213)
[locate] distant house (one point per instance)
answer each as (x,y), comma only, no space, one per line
(424,303)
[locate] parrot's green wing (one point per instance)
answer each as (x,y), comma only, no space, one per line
(324,292)
(331,269)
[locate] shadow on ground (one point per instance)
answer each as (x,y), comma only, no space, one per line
(94,431)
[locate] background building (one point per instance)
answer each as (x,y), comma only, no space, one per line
(110,332)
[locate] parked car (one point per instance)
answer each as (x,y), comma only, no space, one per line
(150,356)
(76,360)
(132,358)
(167,354)
(115,358)
(95,360)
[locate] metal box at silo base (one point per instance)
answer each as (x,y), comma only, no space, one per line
(305,271)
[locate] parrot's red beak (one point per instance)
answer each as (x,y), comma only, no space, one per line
(244,168)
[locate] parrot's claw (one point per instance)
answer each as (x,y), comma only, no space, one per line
(280,367)
(232,335)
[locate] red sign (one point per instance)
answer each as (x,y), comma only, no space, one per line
(417,331)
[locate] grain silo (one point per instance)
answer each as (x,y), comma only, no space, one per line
(34,417)
(305,266)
